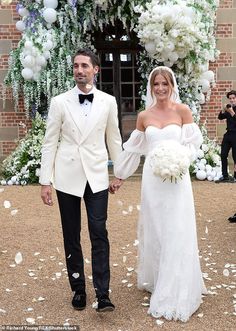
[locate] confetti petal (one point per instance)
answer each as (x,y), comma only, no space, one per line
(14,212)
(226,272)
(30,320)
(41,299)
(75,275)
(158,322)
(18,258)
(7,204)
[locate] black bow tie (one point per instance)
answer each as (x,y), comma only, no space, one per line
(83,97)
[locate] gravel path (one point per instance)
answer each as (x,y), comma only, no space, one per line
(37,289)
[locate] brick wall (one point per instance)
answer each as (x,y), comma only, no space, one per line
(11,128)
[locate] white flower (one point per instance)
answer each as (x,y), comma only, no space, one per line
(170,160)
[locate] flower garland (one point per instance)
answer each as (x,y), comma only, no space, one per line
(181,38)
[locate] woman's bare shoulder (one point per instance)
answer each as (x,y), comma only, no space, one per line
(185,113)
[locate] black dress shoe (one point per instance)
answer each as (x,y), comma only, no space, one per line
(104,304)
(223,180)
(232,219)
(79,300)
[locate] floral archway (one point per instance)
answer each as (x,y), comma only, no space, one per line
(176,33)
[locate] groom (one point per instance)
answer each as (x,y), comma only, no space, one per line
(81,123)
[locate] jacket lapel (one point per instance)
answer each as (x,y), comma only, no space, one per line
(96,111)
(75,109)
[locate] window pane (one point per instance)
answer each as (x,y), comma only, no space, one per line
(127,106)
(127,90)
(126,60)
(137,76)
(137,104)
(126,75)
(106,60)
(107,75)
(108,88)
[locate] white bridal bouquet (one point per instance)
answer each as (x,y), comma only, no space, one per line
(170,160)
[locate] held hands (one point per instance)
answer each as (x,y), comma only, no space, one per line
(46,195)
(115,185)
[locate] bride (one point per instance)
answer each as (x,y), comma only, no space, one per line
(168,262)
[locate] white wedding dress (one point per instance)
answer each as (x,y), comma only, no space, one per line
(168,264)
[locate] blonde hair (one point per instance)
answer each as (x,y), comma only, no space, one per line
(168,77)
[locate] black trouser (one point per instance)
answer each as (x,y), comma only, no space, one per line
(229,141)
(70,209)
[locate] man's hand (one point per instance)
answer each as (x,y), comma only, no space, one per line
(46,195)
(115,185)
(229,109)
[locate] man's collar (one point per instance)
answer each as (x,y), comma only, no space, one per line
(91,91)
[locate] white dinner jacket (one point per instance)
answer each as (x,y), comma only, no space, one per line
(74,150)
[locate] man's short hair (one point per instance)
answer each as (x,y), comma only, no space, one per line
(87,52)
(232,92)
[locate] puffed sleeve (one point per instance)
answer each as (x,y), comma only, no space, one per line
(192,138)
(128,160)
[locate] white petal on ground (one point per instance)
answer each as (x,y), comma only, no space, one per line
(120,203)
(94,304)
(115,264)
(41,260)
(5,251)
(158,322)
(14,212)
(24,284)
(124,259)
(130,208)
(130,269)
(58,274)
(60,263)
(8,290)
(41,299)
(130,285)
(90,277)
(124,212)
(124,281)
(39,317)
(13,265)
(136,242)
(226,272)
(29,309)
(58,250)
(75,275)
(68,256)
(227,265)
(36,253)
(30,320)
(7,204)
(1,190)
(206,230)
(2,311)
(87,261)
(200,315)
(31,274)
(145,304)
(138,207)
(18,258)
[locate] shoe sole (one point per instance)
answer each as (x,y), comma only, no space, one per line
(79,308)
(105,309)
